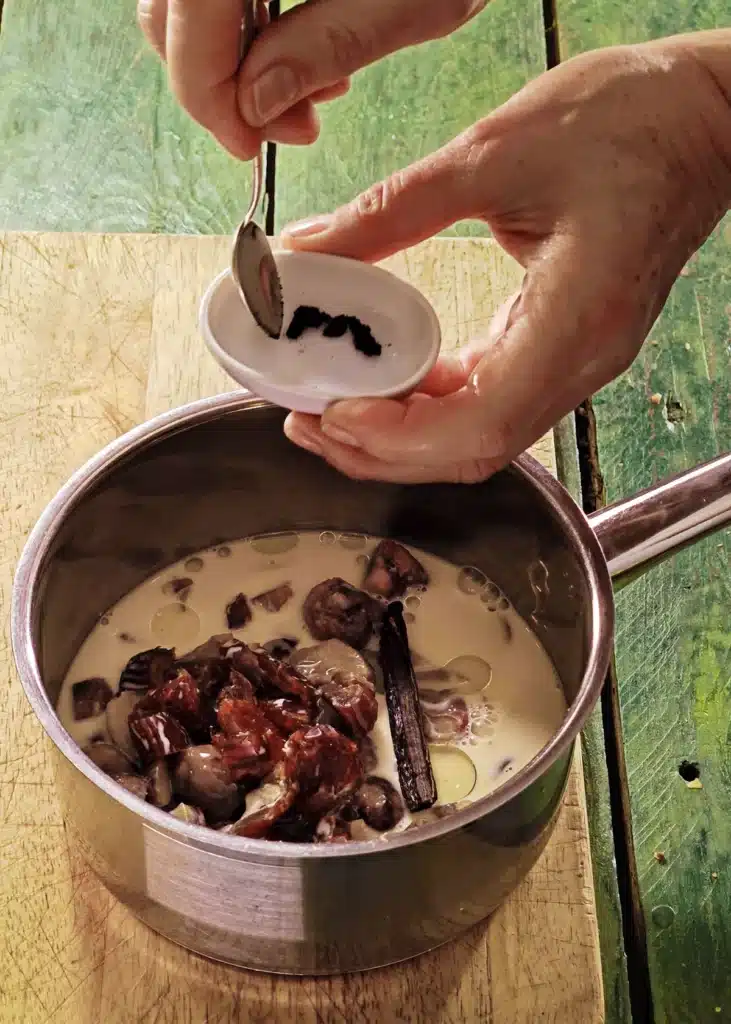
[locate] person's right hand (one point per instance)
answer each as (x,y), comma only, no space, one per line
(301,59)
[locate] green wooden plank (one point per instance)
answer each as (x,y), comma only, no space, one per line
(89,135)
(673,636)
(410,104)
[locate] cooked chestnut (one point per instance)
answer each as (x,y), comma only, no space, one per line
(160,784)
(146,670)
(392,569)
(90,697)
(117,719)
(202,778)
(109,758)
(336,610)
(134,784)
(329,659)
(379,803)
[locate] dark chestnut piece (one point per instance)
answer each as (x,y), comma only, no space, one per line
(379,803)
(147,670)
(135,784)
(202,778)
(238,612)
(392,569)
(117,719)
(336,610)
(90,697)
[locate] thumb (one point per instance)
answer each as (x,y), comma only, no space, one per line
(406,208)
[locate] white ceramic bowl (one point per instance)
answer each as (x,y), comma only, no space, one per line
(308,374)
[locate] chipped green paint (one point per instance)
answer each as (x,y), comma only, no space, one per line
(674,625)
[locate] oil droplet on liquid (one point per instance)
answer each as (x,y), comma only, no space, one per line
(412,602)
(175,625)
(471,580)
(454,773)
(194,564)
(275,543)
(327,537)
(469,673)
(224,551)
(361,560)
(663,916)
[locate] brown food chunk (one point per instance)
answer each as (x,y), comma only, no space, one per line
(336,610)
(90,697)
(392,569)
(378,803)
(179,587)
(267,674)
(117,718)
(109,758)
(238,687)
(288,715)
(332,659)
(238,613)
(354,702)
(202,779)
(180,697)
(249,744)
(332,829)
(158,735)
(135,784)
(275,599)
(147,670)
(325,766)
(281,648)
(191,815)
(265,806)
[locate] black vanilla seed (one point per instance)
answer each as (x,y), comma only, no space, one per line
(310,318)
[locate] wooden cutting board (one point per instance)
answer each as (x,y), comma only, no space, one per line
(98,332)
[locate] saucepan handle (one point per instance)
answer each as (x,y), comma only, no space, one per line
(643,530)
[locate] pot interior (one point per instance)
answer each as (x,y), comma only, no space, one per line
(235,475)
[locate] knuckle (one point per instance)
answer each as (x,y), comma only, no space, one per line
(379,197)
(348,50)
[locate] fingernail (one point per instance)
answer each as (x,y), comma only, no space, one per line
(271,94)
(306,228)
(339,435)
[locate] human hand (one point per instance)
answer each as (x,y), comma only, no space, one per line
(601,177)
(303,58)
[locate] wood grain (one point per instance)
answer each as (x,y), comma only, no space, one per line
(673,637)
(99,332)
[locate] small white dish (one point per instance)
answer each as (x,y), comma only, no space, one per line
(307,374)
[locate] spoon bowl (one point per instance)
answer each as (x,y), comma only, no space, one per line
(309,373)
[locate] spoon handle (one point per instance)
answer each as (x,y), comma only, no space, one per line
(249,32)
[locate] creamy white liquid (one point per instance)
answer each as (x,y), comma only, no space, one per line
(459,614)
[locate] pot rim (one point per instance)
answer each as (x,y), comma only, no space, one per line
(572,519)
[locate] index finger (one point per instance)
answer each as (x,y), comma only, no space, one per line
(202,46)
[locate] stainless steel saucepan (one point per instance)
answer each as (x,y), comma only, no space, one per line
(221,469)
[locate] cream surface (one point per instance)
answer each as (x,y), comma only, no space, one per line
(511,688)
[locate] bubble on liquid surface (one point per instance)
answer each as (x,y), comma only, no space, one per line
(352,541)
(224,551)
(482,720)
(361,560)
(471,580)
(175,625)
(412,602)
(454,772)
(194,564)
(503,604)
(275,543)
(327,537)
(103,620)
(469,673)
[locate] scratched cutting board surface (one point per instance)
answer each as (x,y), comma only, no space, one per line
(97,333)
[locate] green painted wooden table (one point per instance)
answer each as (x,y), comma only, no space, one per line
(91,140)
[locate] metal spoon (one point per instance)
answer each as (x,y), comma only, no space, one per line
(252,262)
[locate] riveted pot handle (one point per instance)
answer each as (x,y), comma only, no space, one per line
(646,529)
